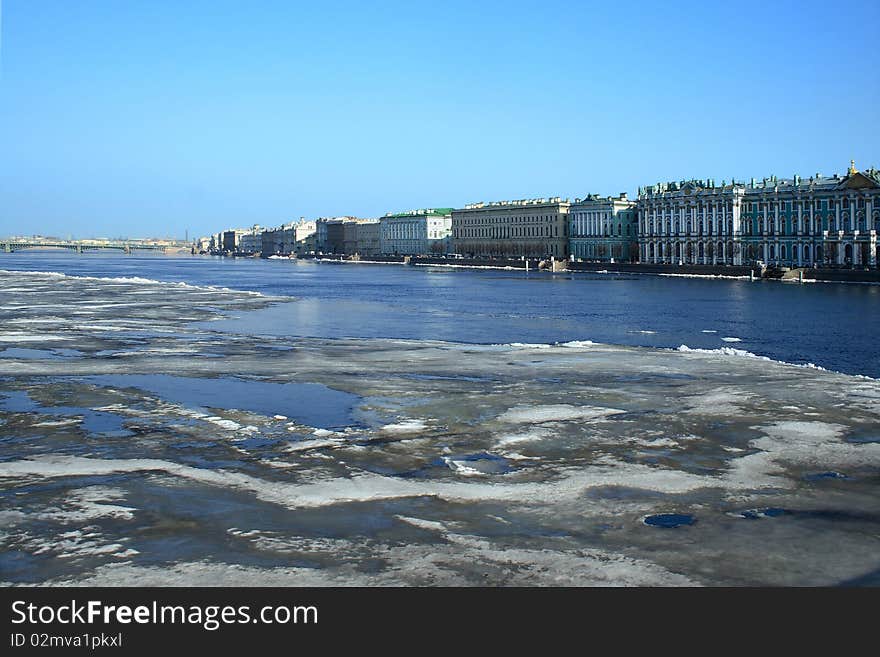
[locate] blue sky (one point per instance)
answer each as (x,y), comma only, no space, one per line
(152,117)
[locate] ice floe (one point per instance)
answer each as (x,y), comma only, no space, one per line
(554,413)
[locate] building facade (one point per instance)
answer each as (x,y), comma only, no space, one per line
(330,234)
(815,222)
(603,229)
(230,240)
(251,241)
(288,239)
(534,228)
(368,237)
(304,237)
(690,222)
(439,227)
(419,232)
(320,234)
(349,237)
(274,241)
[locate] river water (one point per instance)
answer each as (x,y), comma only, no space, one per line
(184,421)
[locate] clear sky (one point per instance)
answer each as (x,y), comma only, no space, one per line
(150,117)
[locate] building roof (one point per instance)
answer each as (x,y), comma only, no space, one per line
(854,179)
(526,202)
(428,212)
(595,198)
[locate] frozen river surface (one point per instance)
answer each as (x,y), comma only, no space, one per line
(176,434)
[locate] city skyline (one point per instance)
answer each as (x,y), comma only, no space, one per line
(135,119)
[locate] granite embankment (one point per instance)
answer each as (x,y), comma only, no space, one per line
(728,271)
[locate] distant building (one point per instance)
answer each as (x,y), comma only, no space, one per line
(251,241)
(534,228)
(272,241)
(368,237)
(440,232)
(320,234)
(231,239)
(335,236)
(349,237)
(290,238)
(818,221)
(330,234)
(418,232)
(304,234)
(307,245)
(360,236)
(603,229)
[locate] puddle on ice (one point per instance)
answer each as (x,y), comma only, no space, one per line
(309,403)
(51,354)
(863,437)
(819,476)
(92,421)
(755,514)
(670,520)
(481,463)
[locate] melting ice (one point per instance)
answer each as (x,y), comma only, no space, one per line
(157,449)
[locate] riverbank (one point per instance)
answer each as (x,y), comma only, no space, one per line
(707,271)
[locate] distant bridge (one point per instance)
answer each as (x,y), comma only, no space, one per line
(9,246)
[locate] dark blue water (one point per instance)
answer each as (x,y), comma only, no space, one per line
(831,325)
(670,520)
(18,401)
(311,403)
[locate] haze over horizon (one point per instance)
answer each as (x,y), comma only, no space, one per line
(151,118)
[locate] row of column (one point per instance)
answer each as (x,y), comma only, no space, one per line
(802,254)
(591,224)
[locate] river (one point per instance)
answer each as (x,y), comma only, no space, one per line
(184,421)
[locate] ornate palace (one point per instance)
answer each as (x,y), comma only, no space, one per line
(797,222)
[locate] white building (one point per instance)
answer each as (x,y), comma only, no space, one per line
(304,234)
(251,241)
(603,228)
(418,232)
